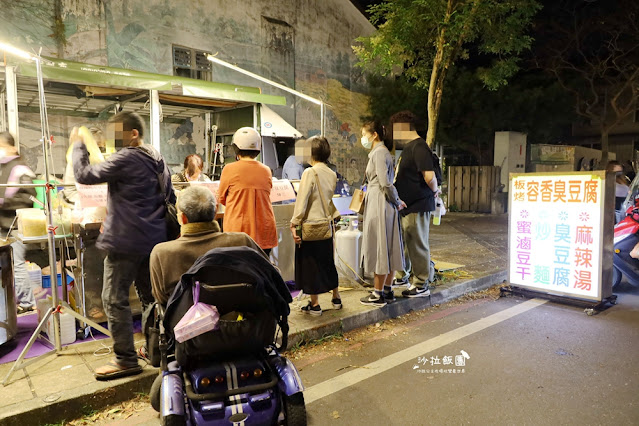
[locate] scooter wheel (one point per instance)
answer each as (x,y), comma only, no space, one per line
(616,277)
(155,391)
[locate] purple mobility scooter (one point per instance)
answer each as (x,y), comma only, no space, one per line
(233,374)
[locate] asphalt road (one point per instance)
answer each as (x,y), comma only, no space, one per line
(527,362)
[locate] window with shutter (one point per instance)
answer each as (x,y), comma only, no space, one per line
(191,63)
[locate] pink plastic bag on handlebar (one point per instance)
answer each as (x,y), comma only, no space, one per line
(199,319)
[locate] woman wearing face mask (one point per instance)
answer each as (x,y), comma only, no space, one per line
(245,191)
(382,247)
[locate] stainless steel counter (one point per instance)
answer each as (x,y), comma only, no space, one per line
(283,256)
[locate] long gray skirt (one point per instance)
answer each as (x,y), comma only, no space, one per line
(382,244)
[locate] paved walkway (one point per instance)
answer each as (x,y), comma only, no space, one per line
(62,386)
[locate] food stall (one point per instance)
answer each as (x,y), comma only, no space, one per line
(183,116)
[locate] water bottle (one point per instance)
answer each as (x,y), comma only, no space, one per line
(437,215)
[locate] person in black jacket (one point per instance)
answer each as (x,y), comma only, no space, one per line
(135,223)
(14,170)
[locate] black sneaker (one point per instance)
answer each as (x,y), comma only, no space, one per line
(373,299)
(337,303)
(313,310)
(389,296)
(400,283)
(416,291)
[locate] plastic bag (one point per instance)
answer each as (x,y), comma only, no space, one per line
(199,319)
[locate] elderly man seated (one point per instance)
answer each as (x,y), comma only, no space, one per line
(199,233)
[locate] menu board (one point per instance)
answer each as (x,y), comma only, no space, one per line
(92,195)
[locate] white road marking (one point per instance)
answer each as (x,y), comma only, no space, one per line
(353,377)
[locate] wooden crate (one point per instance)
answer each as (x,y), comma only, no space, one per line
(470,188)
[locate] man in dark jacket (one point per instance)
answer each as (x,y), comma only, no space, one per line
(134,225)
(14,170)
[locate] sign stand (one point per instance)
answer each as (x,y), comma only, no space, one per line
(560,234)
(590,308)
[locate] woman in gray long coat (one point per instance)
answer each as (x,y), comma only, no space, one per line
(382,246)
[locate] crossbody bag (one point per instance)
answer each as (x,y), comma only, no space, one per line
(318,229)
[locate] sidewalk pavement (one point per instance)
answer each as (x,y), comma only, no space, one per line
(62,386)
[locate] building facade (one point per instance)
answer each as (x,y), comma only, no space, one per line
(303,44)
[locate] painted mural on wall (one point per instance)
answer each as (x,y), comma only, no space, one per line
(343,124)
(28,24)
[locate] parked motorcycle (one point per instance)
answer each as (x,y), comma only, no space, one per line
(626,236)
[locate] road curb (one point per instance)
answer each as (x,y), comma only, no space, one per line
(440,294)
(73,402)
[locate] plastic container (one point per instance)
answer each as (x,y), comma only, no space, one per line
(46,280)
(40,194)
(35,274)
(31,222)
(67,328)
(437,215)
(42,305)
(348,249)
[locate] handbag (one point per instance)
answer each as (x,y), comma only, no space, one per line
(358,202)
(170,214)
(318,229)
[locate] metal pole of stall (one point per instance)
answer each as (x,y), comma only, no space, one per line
(48,204)
(3,112)
(207,145)
(33,185)
(156,117)
(12,104)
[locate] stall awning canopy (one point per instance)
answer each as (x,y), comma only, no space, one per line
(95,75)
(276,126)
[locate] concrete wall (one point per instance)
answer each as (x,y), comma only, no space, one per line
(305,44)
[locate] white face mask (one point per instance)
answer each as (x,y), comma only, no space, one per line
(366,143)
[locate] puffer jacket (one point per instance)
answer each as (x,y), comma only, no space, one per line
(135,205)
